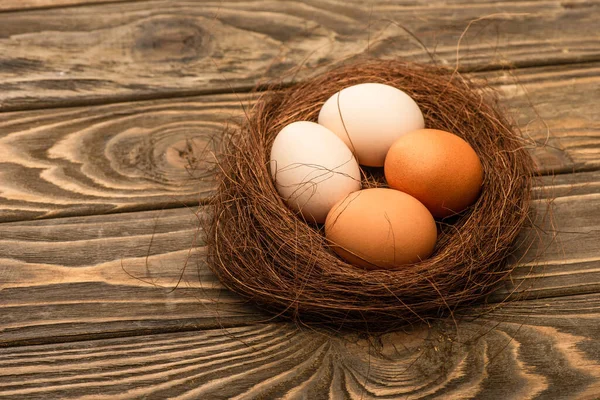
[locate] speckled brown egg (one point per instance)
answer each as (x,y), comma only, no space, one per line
(436,167)
(381,229)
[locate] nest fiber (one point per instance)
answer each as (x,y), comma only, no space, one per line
(265,252)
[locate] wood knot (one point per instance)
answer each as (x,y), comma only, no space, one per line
(171,39)
(191,154)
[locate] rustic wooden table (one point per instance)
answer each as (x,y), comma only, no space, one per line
(107,108)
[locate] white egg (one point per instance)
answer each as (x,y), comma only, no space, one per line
(313,169)
(369,117)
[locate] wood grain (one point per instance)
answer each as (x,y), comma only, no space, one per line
(21,5)
(113,158)
(72,278)
(126,274)
(552,107)
(566,231)
(154,154)
(136,50)
(524,350)
(123,305)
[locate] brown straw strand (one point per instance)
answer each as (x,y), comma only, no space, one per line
(263,251)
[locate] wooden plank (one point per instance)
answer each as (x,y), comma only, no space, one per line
(146,155)
(124,274)
(115,158)
(553,107)
(136,50)
(21,5)
(524,350)
(565,257)
(72,278)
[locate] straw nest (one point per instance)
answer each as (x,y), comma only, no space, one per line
(260,249)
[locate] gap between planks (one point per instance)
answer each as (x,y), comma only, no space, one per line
(181,328)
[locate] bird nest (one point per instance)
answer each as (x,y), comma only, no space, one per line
(260,249)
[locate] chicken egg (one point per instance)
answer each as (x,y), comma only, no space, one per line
(438,168)
(312,169)
(369,117)
(381,229)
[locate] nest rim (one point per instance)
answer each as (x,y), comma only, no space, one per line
(263,251)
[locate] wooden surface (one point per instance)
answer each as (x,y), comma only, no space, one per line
(151,154)
(111,112)
(22,5)
(526,350)
(148,49)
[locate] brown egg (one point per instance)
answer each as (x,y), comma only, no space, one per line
(381,229)
(438,168)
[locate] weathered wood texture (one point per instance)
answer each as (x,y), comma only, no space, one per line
(554,107)
(113,158)
(21,5)
(525,350)
(114,275)
(153,154)
(565,257)
(137,50)
(118,306)
(71,278)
